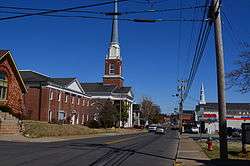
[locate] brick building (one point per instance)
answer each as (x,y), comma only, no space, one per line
(112,87)
(55,99)
(12,87)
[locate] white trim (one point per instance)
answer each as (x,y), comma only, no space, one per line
(66,98)
(113,76)
(12,59)
(77,83)
(59,96)
(51,95)
(111,97)
(78,100)
(68,91)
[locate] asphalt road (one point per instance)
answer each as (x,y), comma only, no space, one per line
(146,149)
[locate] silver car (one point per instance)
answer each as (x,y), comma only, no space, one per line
(152,128)
(160,130)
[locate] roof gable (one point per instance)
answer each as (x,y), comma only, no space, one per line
(6,55)
(75,86)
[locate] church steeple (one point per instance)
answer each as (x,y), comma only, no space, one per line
(115,35)
(114,48)
(113,62)
(202,95)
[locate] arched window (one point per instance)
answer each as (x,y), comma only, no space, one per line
(112,69)
(3,86)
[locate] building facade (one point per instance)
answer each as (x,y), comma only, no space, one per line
(208,118)
(55,99)
(12,87)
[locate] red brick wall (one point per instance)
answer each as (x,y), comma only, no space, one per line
(32,103)
(33,99)
(113,81)
(14,93)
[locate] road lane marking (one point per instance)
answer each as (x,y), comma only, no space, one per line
(120,140)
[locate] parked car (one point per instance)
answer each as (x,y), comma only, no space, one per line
(192,129)
(195,130)
(152,128)
(233,132)
(160,130)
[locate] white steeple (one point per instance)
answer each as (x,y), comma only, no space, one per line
(114,48)
(202,95)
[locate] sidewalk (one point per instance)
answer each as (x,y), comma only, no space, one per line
(21,138)
(190,153)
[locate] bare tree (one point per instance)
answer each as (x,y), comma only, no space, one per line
(151,111)
(240,77)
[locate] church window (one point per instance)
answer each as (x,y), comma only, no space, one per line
(112,69)
(3,86)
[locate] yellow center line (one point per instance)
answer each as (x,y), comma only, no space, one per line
(120,140)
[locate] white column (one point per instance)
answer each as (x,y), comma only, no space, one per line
(131,112)
(138,119)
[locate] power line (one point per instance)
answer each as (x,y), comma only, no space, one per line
(105,13)
(190,41)
(234,36)
(200,47)
(106,18)
(59,10)
(179,42)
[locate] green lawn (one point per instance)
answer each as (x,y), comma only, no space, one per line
(37,129)
(234,151)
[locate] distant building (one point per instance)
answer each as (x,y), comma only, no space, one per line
(207,114)
(12,87)
(188,118)
(137,112)
(55,99)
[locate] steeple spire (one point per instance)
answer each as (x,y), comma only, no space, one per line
(202,95)
(114,35)
(114,48)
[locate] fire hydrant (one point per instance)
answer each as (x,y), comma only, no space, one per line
(209,144)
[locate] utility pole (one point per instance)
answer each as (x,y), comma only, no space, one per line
(220,79)
(181,89)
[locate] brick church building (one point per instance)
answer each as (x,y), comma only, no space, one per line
(12,90)
(112,86)
(12,86)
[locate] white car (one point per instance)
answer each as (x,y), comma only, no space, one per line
(152,128)
(160,130)
(195,130)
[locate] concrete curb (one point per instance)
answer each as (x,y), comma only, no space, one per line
(21,138)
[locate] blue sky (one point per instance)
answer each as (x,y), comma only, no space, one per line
(62,47)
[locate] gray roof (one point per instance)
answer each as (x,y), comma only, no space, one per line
(97,87)
(62,81)
(229,106)
(34,79)
(122,90)
(100,89)
(30,76)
